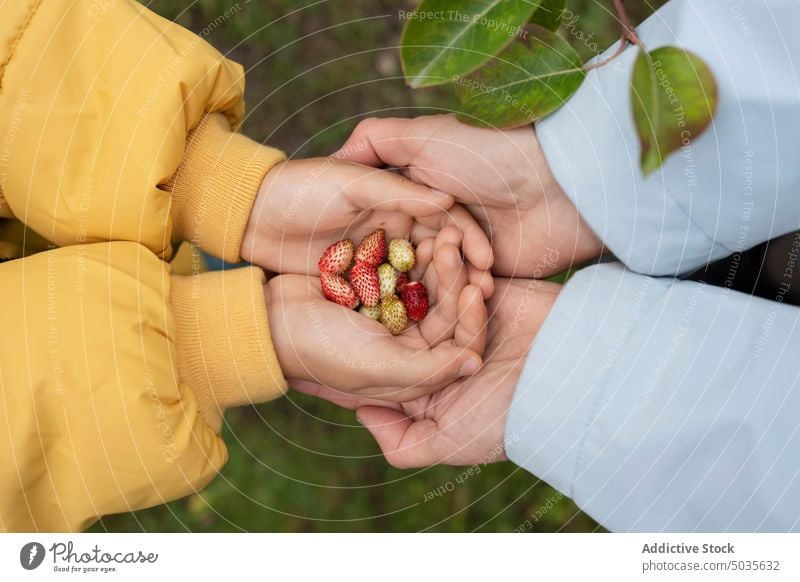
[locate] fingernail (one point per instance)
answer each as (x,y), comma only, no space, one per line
(470,367)
(436,192)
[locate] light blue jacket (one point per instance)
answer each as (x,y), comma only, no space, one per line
(659,404)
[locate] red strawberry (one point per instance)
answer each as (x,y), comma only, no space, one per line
(337,257)
(372,249)
(364,279)
(402,281)
(415,298)
(337,290)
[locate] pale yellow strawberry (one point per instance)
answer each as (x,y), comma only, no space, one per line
(373,312)
(393,314)
(387,277)
(401,255)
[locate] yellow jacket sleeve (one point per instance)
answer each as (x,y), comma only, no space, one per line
(117,126)
(113,377)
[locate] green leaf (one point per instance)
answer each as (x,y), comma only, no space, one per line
(550,13)
(674,98)
(448,38)
(534,76)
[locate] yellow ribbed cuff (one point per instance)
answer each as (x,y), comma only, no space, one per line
(215,186)
(224,349)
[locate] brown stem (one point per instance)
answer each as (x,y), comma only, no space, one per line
(622,46)
(629,36)
(628,32)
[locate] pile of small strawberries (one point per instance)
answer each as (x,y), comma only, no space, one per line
(381,288)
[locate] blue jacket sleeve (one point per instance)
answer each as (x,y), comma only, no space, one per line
(735,186)
(665,405)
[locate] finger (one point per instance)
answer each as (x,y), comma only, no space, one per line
(451,274)
(421,372)
(451,277)
(439,366)
(424,256)
(417,409)
(473,319)
(337,397)
(371,189)
(450,280)
(481,279)
(448,235)
(379,142)
(477,247)
(403,442)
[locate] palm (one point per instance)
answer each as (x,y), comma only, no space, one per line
(473,412)
(304,206)
(469,416)
(295,247)
(320,342)
(464,423)
(294,230)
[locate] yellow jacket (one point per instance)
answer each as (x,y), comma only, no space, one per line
(115,143)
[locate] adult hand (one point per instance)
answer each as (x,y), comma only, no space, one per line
(304,206)
(319,341)
(502,177)
(464,423)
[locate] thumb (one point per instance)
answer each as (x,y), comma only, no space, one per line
(380,190)
(473,320)
(426,371)
(337,397)
(404,443)
(377,142)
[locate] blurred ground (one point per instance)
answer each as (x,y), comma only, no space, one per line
(313,70)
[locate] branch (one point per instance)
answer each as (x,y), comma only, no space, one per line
(622,46)
(628,33)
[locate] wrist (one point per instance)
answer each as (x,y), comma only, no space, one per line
(224,349)
(214,187)
(572,238)
(581,242)
(285,349)
(545,296)
(253,237)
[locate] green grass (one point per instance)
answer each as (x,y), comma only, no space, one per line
(299,464)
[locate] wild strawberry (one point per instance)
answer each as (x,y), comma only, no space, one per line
(401,255)
(402,281)
(393,314)
(364,279)
(371,312)
(388,279)
(337,257)
(415,298)
(372,249)
(337,290)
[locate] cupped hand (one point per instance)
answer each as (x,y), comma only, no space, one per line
(464,423)
(304,206)
(320,342)
(502,177)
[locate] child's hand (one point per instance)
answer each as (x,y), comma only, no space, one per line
(306,205)
(321,343)
(459,313)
